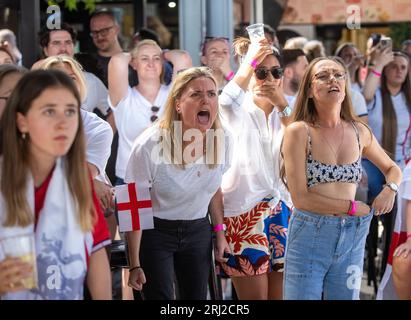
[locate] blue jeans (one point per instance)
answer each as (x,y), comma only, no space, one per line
(324,256)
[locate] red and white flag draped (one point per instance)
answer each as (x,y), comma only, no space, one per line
(386,290)
(134,207)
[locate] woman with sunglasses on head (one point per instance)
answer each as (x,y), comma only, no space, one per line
(135,108)
(215,54)
(322,152)
(256,205)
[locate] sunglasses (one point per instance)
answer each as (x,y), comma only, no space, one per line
(262,73)
(154,110)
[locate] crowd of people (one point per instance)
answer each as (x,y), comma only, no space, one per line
(258,174)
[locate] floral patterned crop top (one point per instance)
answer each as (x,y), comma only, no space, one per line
(318,172)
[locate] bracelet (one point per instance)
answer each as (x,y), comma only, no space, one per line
(229,76)
(254,63)
(134,268)
(220,227)
(353,208)
(376,73)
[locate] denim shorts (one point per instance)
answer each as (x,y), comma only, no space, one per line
(324,256)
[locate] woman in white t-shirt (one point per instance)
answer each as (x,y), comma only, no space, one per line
(388,93)
(183,158)
(135,108)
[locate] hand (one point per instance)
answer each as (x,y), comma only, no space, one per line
(221,247)
(105,193)
(362,209)
(381,57)
(384,202)
(272,91)
(136,279)
(12,271)
(258,51)
(403,249)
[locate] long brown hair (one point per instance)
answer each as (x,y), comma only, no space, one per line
(304,107)
(15,152)
(389,124)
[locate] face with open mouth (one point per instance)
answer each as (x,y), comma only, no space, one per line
(198,104)
(328,82)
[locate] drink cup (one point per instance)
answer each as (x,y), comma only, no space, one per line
(256,32)
(22,247)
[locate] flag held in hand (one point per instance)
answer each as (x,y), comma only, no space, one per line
(134,207)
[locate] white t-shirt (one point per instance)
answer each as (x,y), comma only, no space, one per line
(96,94)
(176,193)
(99,136)
(358,103)
(132,115)
(254,172)
(375,120)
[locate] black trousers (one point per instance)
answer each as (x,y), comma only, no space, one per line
(176,250)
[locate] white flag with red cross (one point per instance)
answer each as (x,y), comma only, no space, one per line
(134,207)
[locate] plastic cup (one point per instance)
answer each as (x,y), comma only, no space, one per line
(22,247)
(256,32)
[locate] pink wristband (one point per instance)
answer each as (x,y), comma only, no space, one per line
(353,208)
(376,73)
(408,236)
(219,227)
(254,63)
(229,76)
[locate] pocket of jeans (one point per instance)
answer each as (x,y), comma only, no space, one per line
(296,226)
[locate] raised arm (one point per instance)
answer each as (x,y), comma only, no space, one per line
(294,151)
(118,77)
(380,59)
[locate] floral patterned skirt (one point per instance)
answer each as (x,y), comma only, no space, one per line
(257,239)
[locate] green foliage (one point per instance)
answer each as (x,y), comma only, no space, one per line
(400,32)
(71,5)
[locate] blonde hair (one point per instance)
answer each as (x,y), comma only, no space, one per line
(170,116)
(147,42)
(51,63)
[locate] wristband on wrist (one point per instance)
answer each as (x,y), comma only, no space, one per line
(376,73)
(133,268)
(254,64)
(229,76)
(219,227)
(408,236)
(353,208)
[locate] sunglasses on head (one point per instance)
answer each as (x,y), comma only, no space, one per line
(262,73)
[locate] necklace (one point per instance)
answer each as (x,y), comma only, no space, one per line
(329,145)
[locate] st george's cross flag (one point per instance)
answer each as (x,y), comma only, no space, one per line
(134,207)
(386,289)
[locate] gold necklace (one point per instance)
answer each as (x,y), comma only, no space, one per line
(329,145)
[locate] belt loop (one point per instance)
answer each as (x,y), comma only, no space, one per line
(319,222)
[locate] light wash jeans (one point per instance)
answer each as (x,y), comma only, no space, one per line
(324,256)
